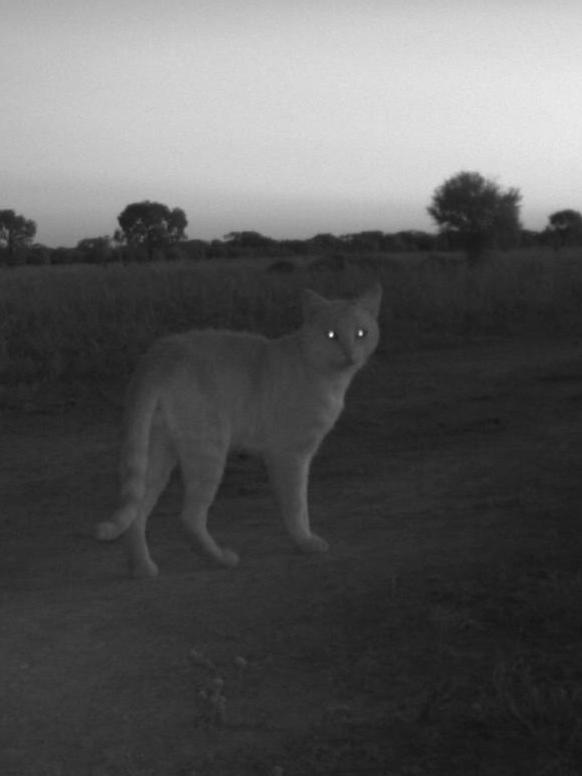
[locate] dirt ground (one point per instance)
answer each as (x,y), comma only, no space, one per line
(441,634)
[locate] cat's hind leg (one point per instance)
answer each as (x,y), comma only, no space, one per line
(161,462)
(289,474)
(202,467)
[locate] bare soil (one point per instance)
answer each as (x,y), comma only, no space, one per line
(442,633)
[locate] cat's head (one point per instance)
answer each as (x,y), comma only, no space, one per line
(340,335)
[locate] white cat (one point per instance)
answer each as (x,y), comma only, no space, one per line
(197,395)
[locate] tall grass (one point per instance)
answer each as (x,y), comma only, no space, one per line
(92,322)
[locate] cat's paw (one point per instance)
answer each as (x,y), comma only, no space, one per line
(144,569)
(313,543)
(229,558)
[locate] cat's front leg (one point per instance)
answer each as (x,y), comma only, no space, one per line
(289,473)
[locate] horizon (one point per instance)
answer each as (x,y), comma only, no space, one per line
(287,120)
(430,228)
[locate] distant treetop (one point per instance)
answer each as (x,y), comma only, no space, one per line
(16,231)
(151,224)
(479,211)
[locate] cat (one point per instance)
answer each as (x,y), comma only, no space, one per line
(195,396)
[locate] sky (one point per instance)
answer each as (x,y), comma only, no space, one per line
(286,117)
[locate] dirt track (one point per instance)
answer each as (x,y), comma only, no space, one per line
(446,466)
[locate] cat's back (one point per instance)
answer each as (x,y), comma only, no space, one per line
(215,377)
(207,357)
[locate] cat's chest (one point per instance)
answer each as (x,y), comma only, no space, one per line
(327,408)
(295,412)
(309,416)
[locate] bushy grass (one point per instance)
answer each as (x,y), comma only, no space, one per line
(81,322)
(92,322)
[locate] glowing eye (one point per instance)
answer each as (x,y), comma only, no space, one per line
(361,333)
(331,334)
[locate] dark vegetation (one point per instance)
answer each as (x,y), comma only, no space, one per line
(81,323)
(473,214)
(478,212)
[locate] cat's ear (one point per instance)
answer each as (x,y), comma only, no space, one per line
(311,303)
(370,299)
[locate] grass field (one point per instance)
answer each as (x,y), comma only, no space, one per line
(86,321)
(442,633)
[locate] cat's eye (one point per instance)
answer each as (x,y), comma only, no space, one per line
(361,333)
(331,334)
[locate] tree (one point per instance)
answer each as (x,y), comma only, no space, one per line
(96,250)
(39,255)
(416,240)
(152,225)
(249,243)
(478,211)
(370,241)
(15,232)
(566,227)
(325,242)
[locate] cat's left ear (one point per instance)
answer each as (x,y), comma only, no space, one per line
(370,299)
(312,303)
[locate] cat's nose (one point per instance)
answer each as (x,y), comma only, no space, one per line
(349,358)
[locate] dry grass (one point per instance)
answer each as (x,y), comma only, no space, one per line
(83,322)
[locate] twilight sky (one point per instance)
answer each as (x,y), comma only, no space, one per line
(288,117)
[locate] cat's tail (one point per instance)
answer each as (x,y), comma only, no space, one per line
(141,406)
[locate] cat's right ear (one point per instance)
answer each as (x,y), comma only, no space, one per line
(371,299)
(311,304)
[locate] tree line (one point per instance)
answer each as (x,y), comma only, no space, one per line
(473,214)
